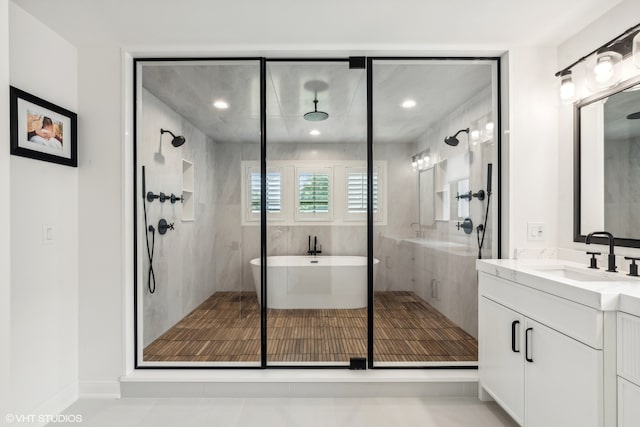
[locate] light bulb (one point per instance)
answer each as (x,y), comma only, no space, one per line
(314,132)
(220,104)
(425,159)
(603,69)
(489,126)
(636,50)
(475,134)
(567,87)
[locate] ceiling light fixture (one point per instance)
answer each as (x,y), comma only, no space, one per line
(221,105)
(314,132)
(408,103)
(603,65)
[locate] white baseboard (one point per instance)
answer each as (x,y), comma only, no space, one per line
(100,389)
(300,383)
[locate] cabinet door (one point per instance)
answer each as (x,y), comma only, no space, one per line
(628,404)
(501,356)
(563,380)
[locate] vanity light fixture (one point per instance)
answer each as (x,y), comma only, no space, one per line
(221,104)
(421,160)
(567,87)
(603,65)
(408,103)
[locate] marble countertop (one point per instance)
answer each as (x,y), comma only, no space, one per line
(602,291)
(453,248)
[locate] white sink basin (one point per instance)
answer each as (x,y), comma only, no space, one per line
(571,273)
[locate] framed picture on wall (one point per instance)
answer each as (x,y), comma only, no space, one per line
(42,130)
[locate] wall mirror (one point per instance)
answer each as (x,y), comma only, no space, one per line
(607,165)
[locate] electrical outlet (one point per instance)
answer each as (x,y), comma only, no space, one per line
(535,231)
(48,234)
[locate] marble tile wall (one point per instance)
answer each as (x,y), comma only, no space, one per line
(185,273)
(621,191)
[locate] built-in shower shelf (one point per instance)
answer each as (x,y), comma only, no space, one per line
(188,200)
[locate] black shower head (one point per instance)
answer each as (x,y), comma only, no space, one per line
(453,140)
(315,115)
(177,141)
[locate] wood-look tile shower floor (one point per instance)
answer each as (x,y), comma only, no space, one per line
(226,327)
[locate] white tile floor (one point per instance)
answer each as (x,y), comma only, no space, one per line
(289,412)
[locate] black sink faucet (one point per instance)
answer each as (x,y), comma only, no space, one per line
(612,257)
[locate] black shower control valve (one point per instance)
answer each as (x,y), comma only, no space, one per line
(163,197)
(175,198)
(633,267)
(164,226)
(479,195)
(151,197)
(466,225)
(464,196)
(594,260)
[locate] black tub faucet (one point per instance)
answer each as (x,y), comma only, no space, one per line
(314,251)
(611,265)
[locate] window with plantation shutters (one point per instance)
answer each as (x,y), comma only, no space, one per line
(274,192)
(314,192)
(356,193)
(313,196)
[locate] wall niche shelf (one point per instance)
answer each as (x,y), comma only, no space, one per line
(442,202)
(187,191)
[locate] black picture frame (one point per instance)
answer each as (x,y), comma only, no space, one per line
(42,130)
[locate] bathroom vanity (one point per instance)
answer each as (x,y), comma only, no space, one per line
(559,343)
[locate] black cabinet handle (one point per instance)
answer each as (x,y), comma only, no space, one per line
(513,336)
(526,345)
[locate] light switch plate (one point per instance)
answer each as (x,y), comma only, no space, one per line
(535,231)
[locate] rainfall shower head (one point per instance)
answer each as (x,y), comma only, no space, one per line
(453,140)
(315,115)
(177,141)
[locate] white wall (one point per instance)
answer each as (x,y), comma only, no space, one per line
(532,147)
(101,238)
(44,277)
(5,246)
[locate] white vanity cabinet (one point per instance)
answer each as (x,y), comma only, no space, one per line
(540,356)
(628,370)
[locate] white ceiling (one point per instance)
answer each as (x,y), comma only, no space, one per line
(438,87)
(330,24)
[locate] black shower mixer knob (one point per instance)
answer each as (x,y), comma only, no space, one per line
(164,226)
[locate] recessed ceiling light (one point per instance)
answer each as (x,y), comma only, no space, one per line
(222,105)
(314,132)
(408,103)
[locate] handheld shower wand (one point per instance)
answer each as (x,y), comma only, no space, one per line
(482,228)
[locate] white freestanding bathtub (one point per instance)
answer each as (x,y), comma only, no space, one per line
(314,281)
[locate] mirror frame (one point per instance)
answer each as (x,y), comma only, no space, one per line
(577,236)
